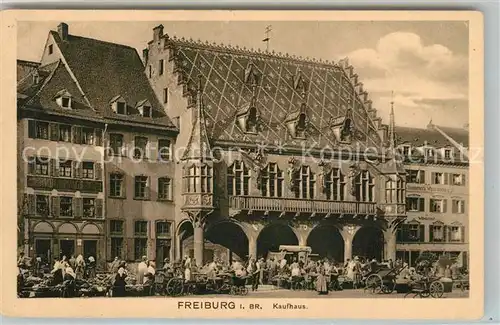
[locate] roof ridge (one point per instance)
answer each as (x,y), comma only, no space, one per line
(45,82)
(98,40)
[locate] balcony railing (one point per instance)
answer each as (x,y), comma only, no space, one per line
(50,183)
(300,205)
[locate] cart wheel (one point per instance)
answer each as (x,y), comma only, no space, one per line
(389,287)
(436,289)
(374,283)
(175,287)
(243,291)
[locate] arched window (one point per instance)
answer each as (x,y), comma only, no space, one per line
(198,179)
(272,181)
(335,184)
(365,185)
(305,181)
(238,179)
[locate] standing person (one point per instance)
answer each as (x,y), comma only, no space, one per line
(115,265)
(261,272)
(321,284)
(80,267)
(91,267)
(151,271)
(69,282)
(72,261)
(119,283)
(142,268)
(57,272)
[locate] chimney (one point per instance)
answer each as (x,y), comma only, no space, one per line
(145,53)
(157,33)
(62,30)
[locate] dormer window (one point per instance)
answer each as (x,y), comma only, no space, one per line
(36,77)
(248,115)
(429,152)
(63,99)
(447,153)
(297,123)
(406,151)
(252,121)
(119,105)
(301,126)
(144,108)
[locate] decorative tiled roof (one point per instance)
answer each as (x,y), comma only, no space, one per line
(329,89)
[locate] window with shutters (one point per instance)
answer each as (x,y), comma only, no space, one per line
(414,204)
(455,234)
(305,183)
(458,179)
(415,176)
(141,187)
(414,232)
(164,149)
(65,168)
(42,130)
(164,188)
(88,136)
(458,206)
(411,232)
(365,185)
(162,229)
(66,206)
(116,144)
(116,186)
(437,233)
(64,132)
(140,147)
(438,178)
(438,205)
(140,238)
(39,166)
(238,179)
(117,247)
(42,205)
(334,185)
(89,208)
(88,170)
(272,181)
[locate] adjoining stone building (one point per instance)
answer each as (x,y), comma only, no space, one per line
(82,191)
(272,152)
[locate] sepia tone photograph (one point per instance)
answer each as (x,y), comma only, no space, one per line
(184,160)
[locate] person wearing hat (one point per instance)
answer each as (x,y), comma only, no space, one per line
(142,269)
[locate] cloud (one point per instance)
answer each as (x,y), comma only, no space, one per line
(424,78)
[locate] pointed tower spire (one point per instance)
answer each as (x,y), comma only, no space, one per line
(392,125)
(198,147)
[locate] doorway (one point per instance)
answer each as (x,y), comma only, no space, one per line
(162,251)
(43,250)
(90,248)
(67,248)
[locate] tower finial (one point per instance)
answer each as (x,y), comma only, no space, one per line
(392,124)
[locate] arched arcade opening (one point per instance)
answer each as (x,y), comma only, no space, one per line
(230,236)
(274,235)
(368,242)
(326,241)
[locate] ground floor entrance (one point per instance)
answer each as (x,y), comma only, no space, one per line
(67,248)
(43,249)
(163,247)
(90,248)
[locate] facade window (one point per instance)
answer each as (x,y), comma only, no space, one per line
(88,208)
(65,168)
(438,178)
(164,149)
(198,179)
(88,169)
(272,181)
(436,233)
(412,232)
(165,95)
(438,205)
(42,205)
(116,143)
(141,187)
(146,111)
(66,206)
(42,130)
(238,179)
(414,204)
(458,206)
(121,108)
(162,229)
(335,185)
(164,188)
(206,179)
(160,67)
(406,151)
(140,145)
(415,176)
(51,49)
(447,153)
(116,247)
(458,179)
(140,239)
(429,152)
(41,166)
(305,183)
(191,179)
(65,133)
(116,227)
(65,102)
(116,185)
(455,234)
(365,185)
(88,136)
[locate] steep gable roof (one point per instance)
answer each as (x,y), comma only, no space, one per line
(418,137)
(105,70)
(329,89)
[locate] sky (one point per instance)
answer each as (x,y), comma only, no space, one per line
(425,64)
